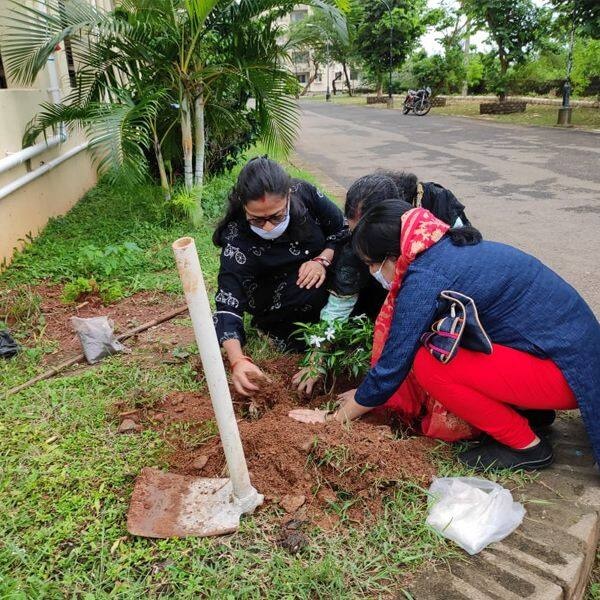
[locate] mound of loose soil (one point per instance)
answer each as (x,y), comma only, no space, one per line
(126,314)
(302,468)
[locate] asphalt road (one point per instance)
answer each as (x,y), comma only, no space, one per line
(535,188)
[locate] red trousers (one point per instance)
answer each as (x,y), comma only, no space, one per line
(483,388)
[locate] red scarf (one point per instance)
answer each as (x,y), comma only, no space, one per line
(419,230)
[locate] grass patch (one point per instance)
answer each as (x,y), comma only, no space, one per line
(67,476)
(535,114)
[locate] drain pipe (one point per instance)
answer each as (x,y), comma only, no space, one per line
(22,156)
(196,297)
(13,186)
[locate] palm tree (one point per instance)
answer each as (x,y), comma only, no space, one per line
(152,65)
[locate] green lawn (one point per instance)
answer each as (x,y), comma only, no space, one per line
(535,114)
(67,476)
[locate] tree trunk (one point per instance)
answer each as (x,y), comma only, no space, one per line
(379,85)
(164,181)
(311,80)
(503,70)
(347,76)
(186,141)
(466,49)
(199,138)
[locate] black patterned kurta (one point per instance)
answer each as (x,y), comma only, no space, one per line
(259,277)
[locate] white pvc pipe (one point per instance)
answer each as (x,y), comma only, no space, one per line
(196,297)
(18,158)
(32,175)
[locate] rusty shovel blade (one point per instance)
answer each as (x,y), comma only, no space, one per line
(165,505)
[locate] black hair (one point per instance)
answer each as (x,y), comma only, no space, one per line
(405,182)
(368,191)
(377,234)
(258,177)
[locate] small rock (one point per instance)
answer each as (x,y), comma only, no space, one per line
(159,416)
(200,462)
(292,541)
(307,477)
(327,496)
(291,503)
(127,426)
(294,523)
(179,409)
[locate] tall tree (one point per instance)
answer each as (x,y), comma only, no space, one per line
(514,27)
(408,21)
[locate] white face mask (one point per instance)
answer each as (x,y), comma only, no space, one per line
(277,231)
(381,279)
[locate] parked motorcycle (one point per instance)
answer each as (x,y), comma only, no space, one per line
(419,101)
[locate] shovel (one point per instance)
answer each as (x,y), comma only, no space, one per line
(167,505)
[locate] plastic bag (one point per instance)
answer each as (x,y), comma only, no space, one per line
(8,346)
(472,512)
(96,337)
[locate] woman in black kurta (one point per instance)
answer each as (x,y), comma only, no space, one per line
(278,239)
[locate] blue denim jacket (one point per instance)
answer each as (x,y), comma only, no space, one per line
(522,304)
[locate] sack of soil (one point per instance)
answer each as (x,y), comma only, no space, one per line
(8,346)
(472,512)
(97,338)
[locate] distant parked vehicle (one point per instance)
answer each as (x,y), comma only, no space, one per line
(418,101)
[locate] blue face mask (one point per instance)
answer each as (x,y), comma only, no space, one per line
(276,232)
(381,279)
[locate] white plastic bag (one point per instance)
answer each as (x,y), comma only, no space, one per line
(472,512)
(96,337)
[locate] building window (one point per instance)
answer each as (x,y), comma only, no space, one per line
(301,78)
(3,83)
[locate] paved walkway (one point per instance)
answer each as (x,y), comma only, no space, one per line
(535,188)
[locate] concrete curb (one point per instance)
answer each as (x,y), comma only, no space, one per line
(551,555)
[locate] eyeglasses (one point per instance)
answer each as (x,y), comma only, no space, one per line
(275,219)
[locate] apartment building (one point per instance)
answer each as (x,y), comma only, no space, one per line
(44,180)
(303,66)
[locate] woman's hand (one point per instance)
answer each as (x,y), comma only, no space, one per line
(241,375)
(346,396)
(303,383)
(308,415)
(311,273)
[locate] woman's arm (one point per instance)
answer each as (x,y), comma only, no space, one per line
(235,275)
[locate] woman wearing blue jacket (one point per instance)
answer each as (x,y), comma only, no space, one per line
(545,340)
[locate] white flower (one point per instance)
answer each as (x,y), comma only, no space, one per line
(316,341)
(330,334)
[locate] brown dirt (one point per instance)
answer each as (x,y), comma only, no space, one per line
(328,464)
(125,314)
